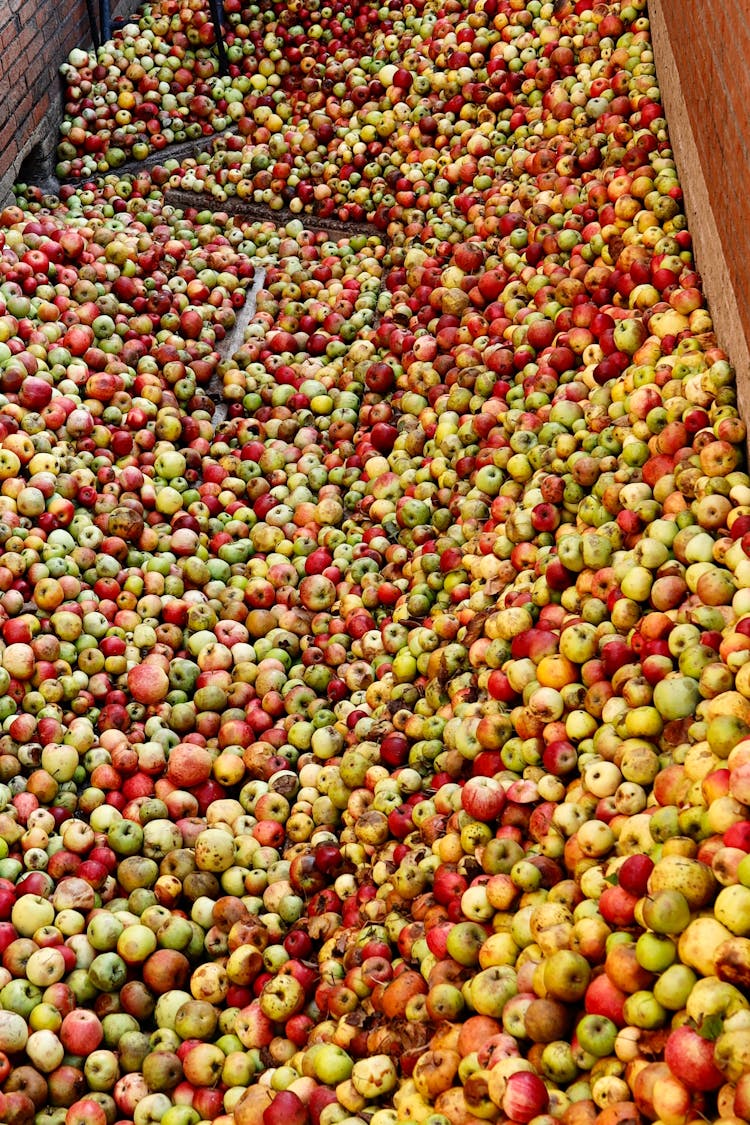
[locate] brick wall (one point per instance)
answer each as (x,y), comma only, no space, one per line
(701,53)
(35,37)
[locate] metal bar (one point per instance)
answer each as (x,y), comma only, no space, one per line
(106,18)
(92,24)
(216,16)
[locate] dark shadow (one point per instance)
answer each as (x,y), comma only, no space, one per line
(38,168)
(35,166)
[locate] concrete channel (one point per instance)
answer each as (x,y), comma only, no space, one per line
(260,212)
(233,341)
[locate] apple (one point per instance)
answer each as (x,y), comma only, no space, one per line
(667,912)
(566,975)
(690,1057)
(525,1096)
(81,1032)
(286,1107)
(596,1035)
(483,798)
(45,1050)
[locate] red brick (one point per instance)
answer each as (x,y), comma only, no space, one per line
(24,108)
(8,23)
(35,37)
(40,109)
(8,136)
(7,38)
(35,67)
(24,38)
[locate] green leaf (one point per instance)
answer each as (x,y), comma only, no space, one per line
(711,1027)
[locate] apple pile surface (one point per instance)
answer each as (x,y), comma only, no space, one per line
(158,80)
(374,603)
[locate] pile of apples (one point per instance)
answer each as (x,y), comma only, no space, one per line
(158,82)
(376,749)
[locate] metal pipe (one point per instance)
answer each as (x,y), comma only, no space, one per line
(105,13)
(216,18)
(92,24)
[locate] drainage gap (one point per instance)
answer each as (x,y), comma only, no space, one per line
(41,175)
(233,341)
(261,212)
(179,150)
